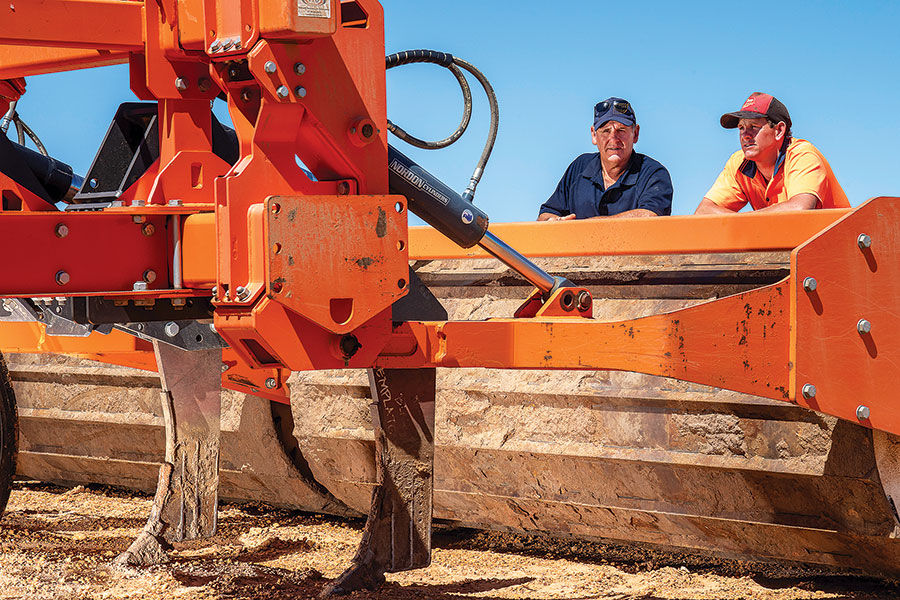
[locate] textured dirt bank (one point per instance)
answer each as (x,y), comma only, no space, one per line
(58,543)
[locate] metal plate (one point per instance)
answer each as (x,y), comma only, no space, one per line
(850,369)
(337,260)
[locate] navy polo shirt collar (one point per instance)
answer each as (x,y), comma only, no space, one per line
(594,172)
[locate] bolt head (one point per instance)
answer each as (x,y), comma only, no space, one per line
(139,286)
(300,91)
(148,229)
(270,67)
(271,383)
(283,92)
(863,326)
(215,292)
(172,329)
(584,300)
(176,202)
(214,47)
(62,230)
(149,275)
(62,278)
(862,412)
(299,68)
(864,241)
(808,390)
(810,284)
(241,292)
(181,84)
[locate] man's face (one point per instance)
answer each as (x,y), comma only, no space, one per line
(615,142)
(760,140)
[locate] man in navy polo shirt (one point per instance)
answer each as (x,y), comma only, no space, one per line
(616,181)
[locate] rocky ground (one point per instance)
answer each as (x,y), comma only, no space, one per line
(58,543)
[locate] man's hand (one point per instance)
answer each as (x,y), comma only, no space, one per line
(797,202)
(552,217)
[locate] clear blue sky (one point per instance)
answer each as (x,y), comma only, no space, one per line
(681,64)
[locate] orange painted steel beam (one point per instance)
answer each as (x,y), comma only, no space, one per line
(739,342)
(81,253)
(94,24)
(23,61)
(743,232)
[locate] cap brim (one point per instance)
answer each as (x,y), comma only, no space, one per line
(623,119)
(730,120)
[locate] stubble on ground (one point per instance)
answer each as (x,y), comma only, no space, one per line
(58,543)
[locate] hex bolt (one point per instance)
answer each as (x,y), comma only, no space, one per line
(214,47)
(300,91)
(172,329)
(584,300)
(225,367)
(62,278)
(863,326)
(283,92)
(862,412)
(864,241)
(810,284)
(246,94)
(808,390)
(271,383)
(148,229)
(299,68)
(62,230)
(367,130)
(138,219)
(270,67)
(215,292)
(181,84)
(149,275)
(242,293)
(139,286)
(226,46)
(204,83)
(176,202)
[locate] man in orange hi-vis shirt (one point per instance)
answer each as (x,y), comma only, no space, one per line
(772,170)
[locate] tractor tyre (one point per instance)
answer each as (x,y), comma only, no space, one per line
(9,435)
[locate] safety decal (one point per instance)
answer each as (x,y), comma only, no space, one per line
(314,8)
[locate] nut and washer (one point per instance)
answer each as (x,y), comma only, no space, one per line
(300,91)
(139,286)
(862,412)
(241,293)
(270,67)
(149,275)
(283,92)
(863,326)
(810,284)
(62,230)
(62,278)
(181,84)
(214,47)
(864,241)
(584,300)
(299,68)
(271,383)
(148,229)
(808,390)
(175,202)
(172,329)
(215,292)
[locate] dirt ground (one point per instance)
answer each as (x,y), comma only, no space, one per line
(58,543)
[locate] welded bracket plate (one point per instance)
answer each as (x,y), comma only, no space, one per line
(337,260)
(855,372)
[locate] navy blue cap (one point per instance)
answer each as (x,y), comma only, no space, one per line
(614,109)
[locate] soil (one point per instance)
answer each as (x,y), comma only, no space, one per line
(58,543)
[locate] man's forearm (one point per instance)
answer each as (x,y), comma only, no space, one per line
(708,207)
(630,214)
(797,202)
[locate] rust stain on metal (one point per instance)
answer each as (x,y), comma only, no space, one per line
(292,214)
(381,224)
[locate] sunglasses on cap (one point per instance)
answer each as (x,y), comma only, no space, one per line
(621,106)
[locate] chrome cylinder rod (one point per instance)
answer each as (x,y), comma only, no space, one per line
(518,263)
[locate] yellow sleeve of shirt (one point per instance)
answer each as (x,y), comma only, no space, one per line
(726,191)
(805,172)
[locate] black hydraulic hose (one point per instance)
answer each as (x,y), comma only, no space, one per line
(453,64)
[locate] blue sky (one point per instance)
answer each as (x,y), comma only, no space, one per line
(681,64)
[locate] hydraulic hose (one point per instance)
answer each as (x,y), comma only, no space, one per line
(453,64)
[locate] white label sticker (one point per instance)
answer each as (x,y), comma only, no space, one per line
(314,8)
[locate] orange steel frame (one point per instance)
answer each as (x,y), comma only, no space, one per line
(297,266)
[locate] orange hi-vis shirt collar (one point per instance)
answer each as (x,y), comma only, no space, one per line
(799,169)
